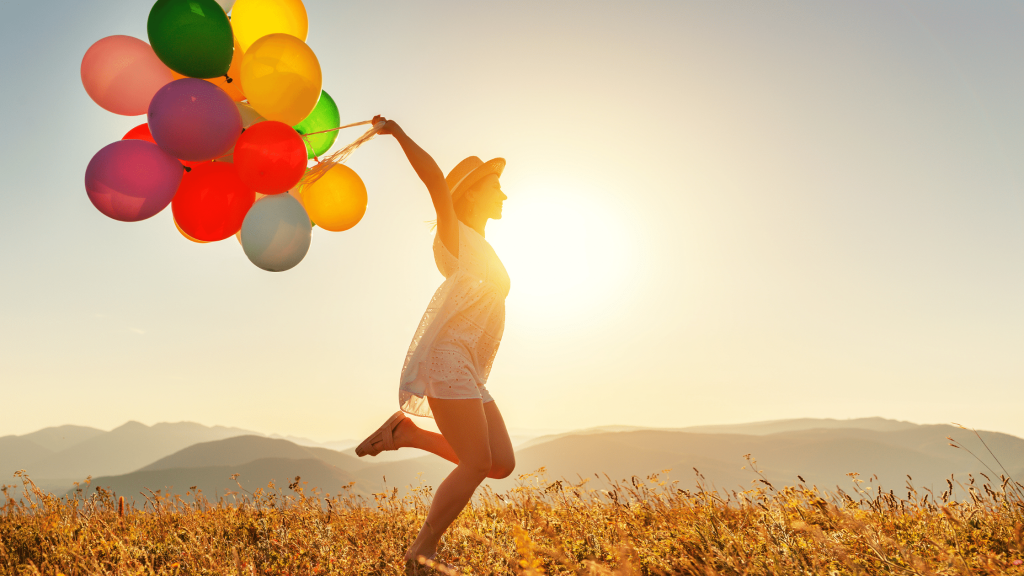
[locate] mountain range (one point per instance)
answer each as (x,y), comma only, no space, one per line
(135,459)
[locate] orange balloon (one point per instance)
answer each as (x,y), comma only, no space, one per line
(336,201)
(232,88)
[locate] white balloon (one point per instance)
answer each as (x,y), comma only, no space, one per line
(276,233)
(226,5)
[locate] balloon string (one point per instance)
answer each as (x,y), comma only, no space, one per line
(305,137)
(364,122)
(322,166)
(336,158)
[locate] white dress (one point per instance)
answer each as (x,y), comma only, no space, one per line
(457,339)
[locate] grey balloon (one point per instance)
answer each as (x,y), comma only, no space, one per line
(276,233)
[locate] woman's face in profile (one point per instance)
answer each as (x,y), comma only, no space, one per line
(487,197)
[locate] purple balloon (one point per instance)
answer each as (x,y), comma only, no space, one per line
(194,120)
(131,180)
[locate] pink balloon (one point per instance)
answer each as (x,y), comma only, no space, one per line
(194,120)
(121,74)
(131,180)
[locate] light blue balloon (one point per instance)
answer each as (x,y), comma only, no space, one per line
(276,233)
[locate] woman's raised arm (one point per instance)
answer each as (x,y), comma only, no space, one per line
(431,175)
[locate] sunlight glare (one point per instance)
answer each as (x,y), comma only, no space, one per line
(565,252)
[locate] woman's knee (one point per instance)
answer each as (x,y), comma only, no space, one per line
(479,465)
(502,467)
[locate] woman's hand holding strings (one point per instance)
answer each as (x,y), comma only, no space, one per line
(390,126)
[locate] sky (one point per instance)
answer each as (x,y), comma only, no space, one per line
(718,212)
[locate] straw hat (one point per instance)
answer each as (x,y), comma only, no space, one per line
(469,172)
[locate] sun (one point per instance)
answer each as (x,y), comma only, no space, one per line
(565,251)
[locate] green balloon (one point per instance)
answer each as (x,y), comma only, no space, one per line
(323,117)
(192,37)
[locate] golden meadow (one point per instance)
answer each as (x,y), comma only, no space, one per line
(649,525)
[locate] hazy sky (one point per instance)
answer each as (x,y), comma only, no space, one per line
(718,212)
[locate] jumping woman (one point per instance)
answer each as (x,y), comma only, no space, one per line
(446,369)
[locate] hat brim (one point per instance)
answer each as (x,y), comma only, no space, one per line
(494,166)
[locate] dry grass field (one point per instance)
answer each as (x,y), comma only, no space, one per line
(639,526)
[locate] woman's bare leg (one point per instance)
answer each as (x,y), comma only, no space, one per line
(503,460)
(464,425)
(408,435)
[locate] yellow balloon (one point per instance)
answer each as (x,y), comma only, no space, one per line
(281,78)
(186,235)
(254,19)
(337,201)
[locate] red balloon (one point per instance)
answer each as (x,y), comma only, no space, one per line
(271,157)
(212,201)
(141,132)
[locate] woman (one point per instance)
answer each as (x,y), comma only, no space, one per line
(450,357)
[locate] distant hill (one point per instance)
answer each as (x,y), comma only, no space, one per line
(822,456)
(258,459)
(753,428)
(243,449)
(795,424)
(119,451)
(823,452)
(57,438)
(215,481)
(28,450)
(58,456)
(17,453)
(331,445)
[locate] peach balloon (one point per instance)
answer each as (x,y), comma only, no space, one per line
(122,73)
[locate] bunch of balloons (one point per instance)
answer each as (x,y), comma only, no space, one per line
(229,103)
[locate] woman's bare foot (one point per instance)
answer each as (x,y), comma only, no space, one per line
(416,556)
(425,545)
(423,566)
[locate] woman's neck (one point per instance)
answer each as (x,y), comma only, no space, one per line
(477,223)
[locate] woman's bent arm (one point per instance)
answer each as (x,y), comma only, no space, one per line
(431,175)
